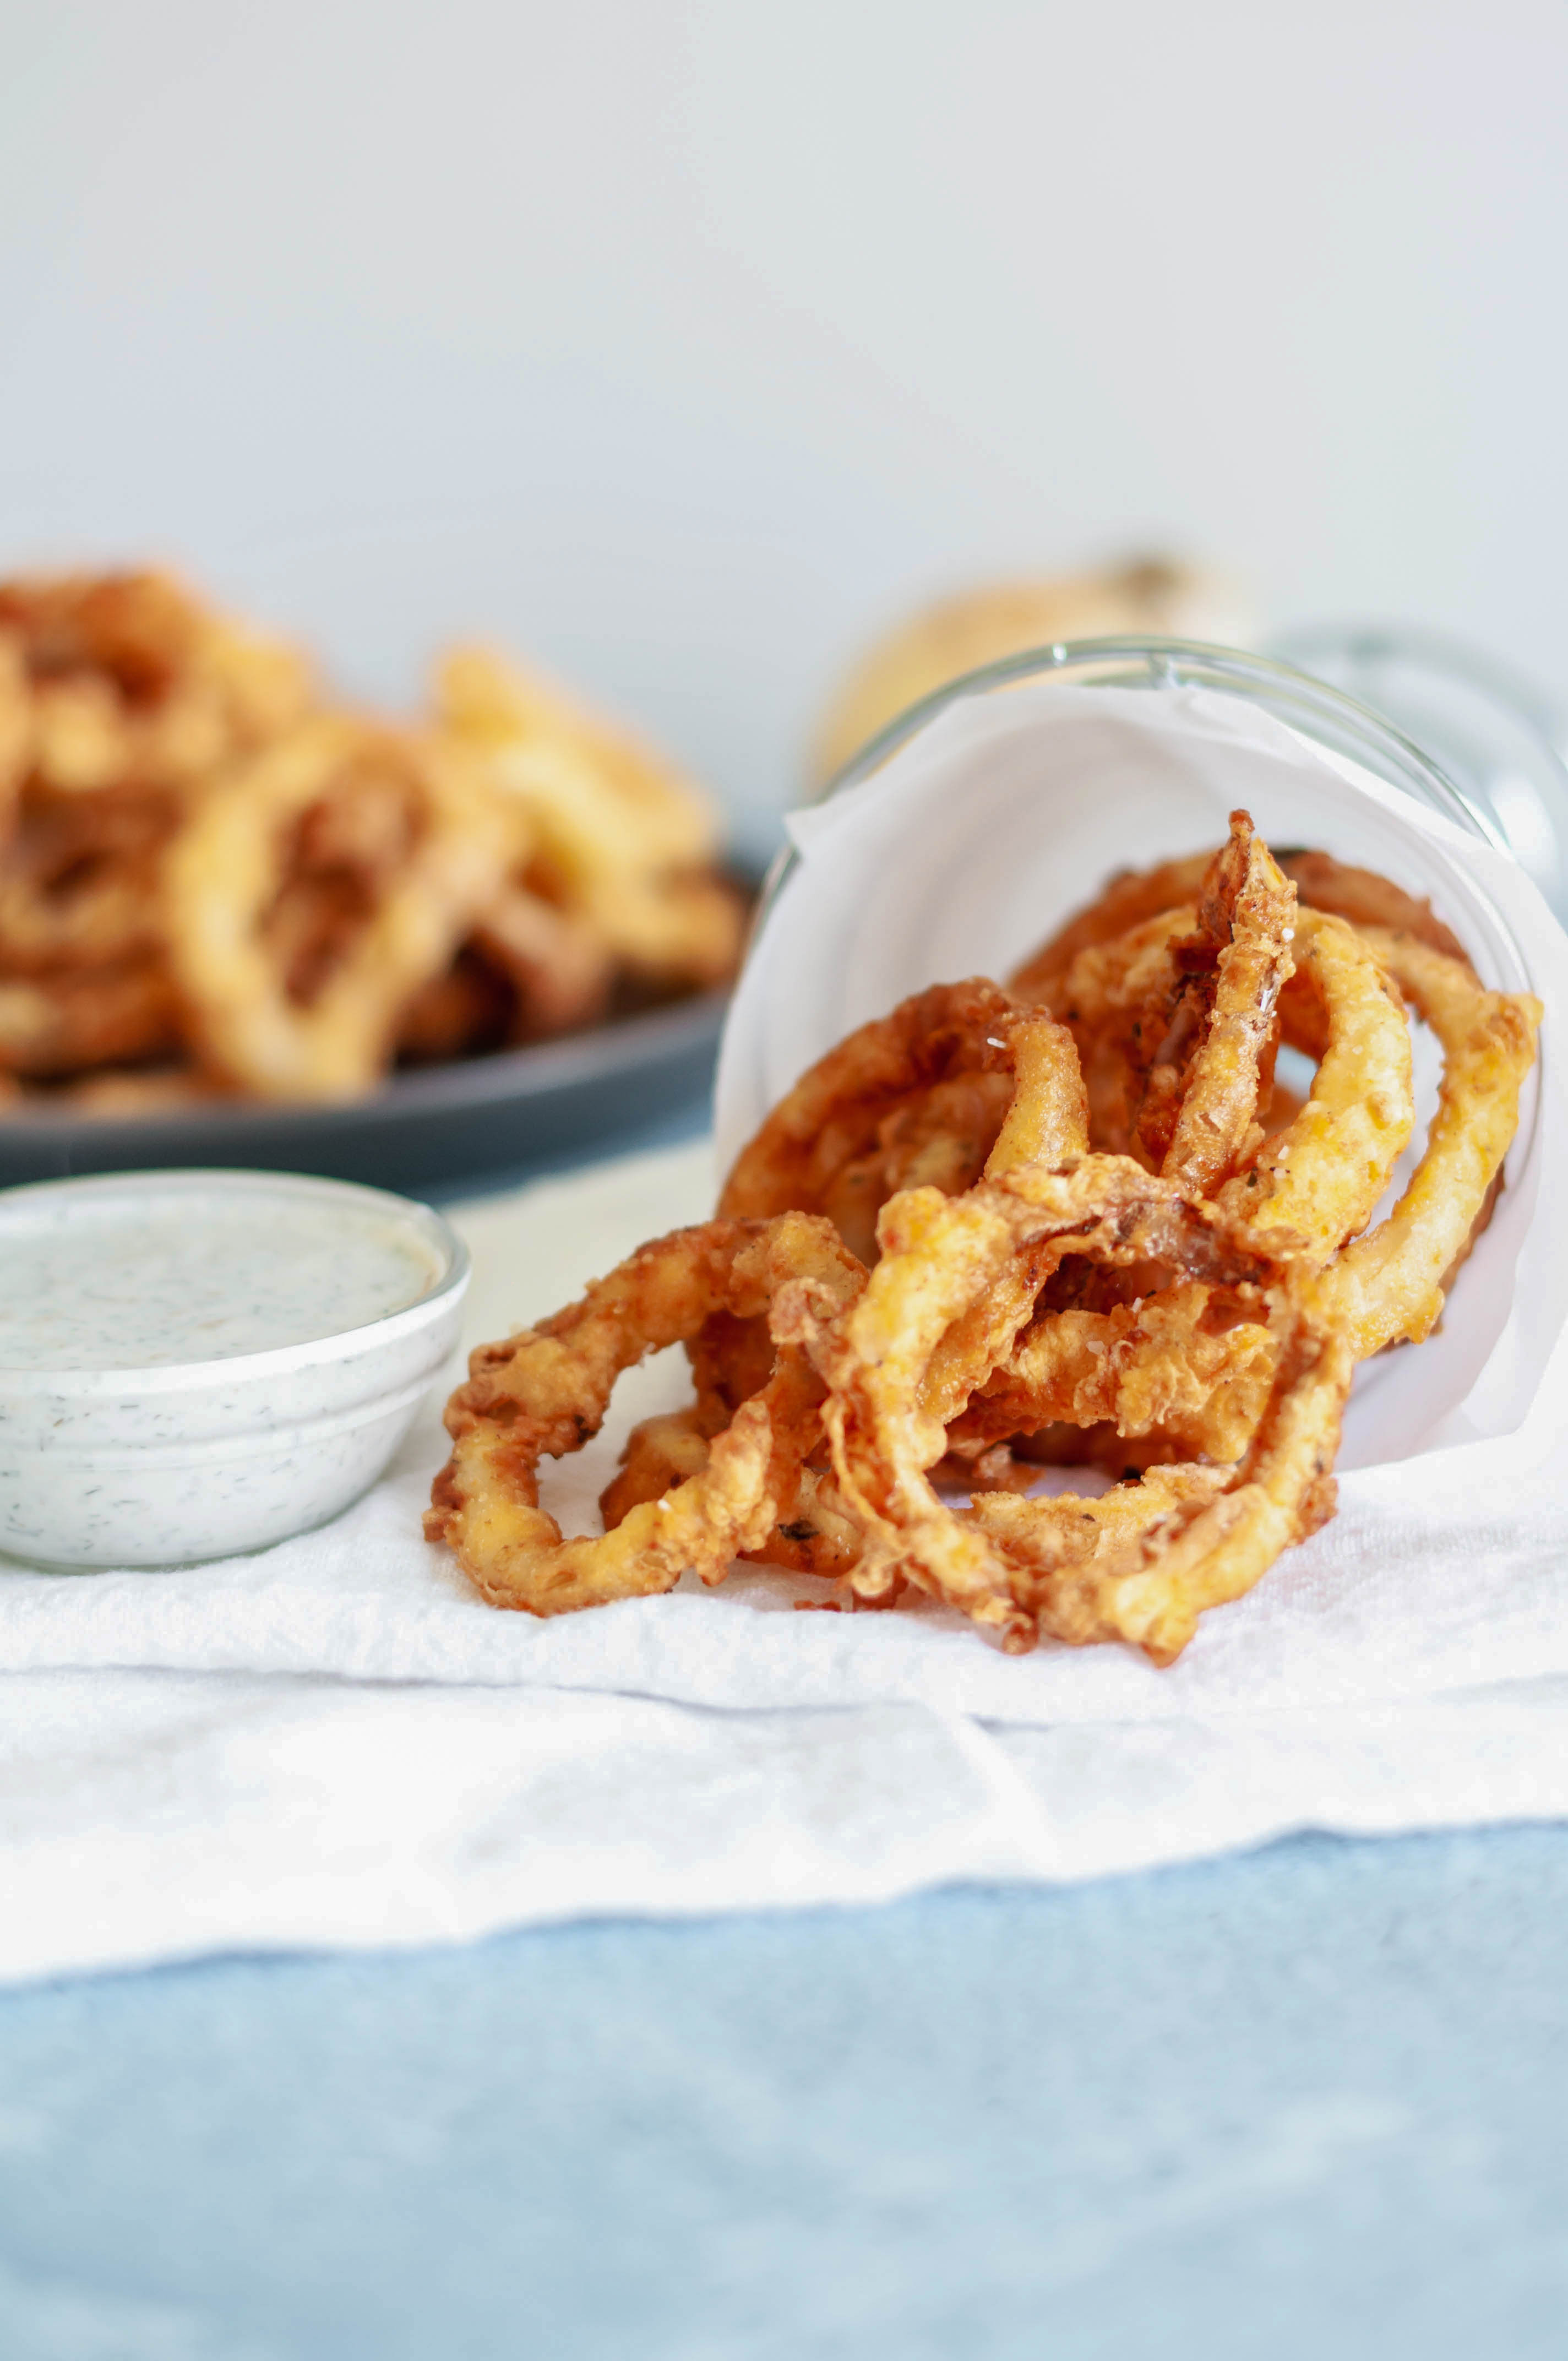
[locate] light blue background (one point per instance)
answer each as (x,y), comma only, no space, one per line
(1307,2103)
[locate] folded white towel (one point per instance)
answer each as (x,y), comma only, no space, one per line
(423,1772)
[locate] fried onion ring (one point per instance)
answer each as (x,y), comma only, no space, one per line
(1175,1016)
(956,1082)
(817,1534)
(315,892)
(1366,899)
(546,1391)
(1321,883)
(620,842)
(1389,1285)
(119,698)
(1246,923)
(836,1135)
(1151,1585)
(897,1372)
(1191,1362)
(527,972)
(80,881)
(1319,1179)
(1029,1301)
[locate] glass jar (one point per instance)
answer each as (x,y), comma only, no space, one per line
(1298,696)
(964,835)
(1340,725)
(1313,707)
(1492,731)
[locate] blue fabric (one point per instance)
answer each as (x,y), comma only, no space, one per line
(1308,2102)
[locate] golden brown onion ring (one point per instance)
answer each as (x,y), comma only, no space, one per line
(1321,883)
(834,1116)
(816,1534)
(1151,1587)
(957,1082)
(546,1391)
(897,1375)
(1233,968)
(1190,1362)
(126,680)
(1319,1179)
(620,842)
(1389,1285)
(1175,1018)
(55,1026)
(1366,899)
(80,881)
(298,994)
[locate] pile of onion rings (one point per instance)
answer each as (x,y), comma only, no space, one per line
(1070,1222)
(214,881)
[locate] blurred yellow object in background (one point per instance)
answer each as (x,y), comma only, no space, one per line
(1158,597)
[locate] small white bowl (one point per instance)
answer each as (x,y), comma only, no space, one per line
(185,1459)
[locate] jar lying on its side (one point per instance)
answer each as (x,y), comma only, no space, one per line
(961,840)
(1492,733)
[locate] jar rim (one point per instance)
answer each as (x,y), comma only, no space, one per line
(1188,664)
(1165,664)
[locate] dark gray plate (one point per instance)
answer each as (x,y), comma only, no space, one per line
(426,1129)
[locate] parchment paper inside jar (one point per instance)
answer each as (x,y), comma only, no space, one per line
(1006,811)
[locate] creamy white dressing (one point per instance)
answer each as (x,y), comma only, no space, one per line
(140,1278)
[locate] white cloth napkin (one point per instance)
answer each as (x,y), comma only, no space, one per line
(154,1815)
(1414,1589)
(345,1748)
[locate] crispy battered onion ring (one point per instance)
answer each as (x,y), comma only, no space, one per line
(1321,883)
(545,1391)
(1128,900)
(618,840)
(896,1376)
(1191,1362)
(125,680)
(1151,1585)
(126,705)
(1245,924)
(1366,899)
(406,848)
(119,696)
(80,881)
(817,1535)
(906,1087)
(1389,1285)
(1321,1178)
(659,1451)
(956,1082)
(527,972)
(1175,1017)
